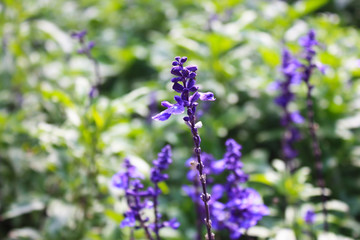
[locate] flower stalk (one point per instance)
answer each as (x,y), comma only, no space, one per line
(308,43)
(184,83)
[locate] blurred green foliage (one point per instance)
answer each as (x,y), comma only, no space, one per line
(58,149)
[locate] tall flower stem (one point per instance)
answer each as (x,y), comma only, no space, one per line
(288,161)
(200,167)
(156,213)
(187,76)
(316,147)
(198,211)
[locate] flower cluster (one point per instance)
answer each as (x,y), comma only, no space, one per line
(138,198)
(234,207)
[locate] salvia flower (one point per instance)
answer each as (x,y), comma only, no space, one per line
(139,198)
(184,84)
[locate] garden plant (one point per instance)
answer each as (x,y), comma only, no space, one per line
(205,120)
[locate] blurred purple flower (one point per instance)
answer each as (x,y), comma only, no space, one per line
(310,217)
(139,198)
(290,68)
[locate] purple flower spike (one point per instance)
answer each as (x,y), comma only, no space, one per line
(184,84)
(308,43)
(292,75)
(160,164)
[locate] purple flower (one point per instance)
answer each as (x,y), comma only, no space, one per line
(234,208)
(310,217)
(243,207)
(291,70)
(177,108)
(164,158)
(129,220)
(122,178)
(139,198)
(94,92)
(308,43)
(85,47)
(79,35)
(208,162)
(173,223)
(160,164)
(184,83)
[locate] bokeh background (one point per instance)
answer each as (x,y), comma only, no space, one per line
(58,149)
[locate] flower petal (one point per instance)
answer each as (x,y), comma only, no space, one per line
(192,68)
(163,116)
(194,97)
(178,100)
(176,71)
(208,96)
(178,87)
(166,104)
(176,109)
